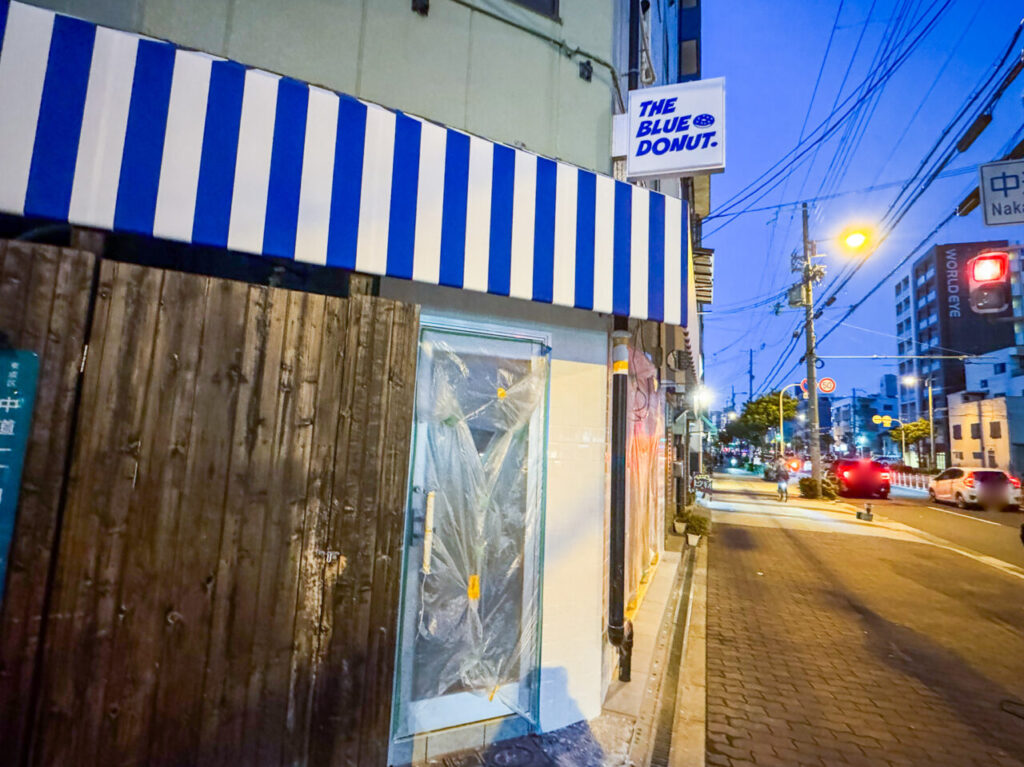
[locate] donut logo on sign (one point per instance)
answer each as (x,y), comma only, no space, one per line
(827,385)
(704,120)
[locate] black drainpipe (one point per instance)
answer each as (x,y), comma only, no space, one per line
(620,631)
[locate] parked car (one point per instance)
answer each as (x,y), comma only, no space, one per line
(967,486)
(861,477)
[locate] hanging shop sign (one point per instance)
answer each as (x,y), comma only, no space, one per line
(18,373)
(677,130)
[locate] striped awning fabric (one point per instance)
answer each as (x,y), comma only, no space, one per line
(113,130)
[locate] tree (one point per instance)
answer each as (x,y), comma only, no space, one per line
(915,432)
(759,416)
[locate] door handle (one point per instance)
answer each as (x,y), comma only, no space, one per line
(428,533)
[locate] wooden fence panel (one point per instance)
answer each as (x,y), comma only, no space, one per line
(44,302)
(232,541)
(353,696)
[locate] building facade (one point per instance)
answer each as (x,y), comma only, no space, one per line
(445,156)
(933,317)
(987,431)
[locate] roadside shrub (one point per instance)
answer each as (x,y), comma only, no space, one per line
(808,489)
(697,525)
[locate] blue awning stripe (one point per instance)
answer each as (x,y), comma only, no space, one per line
(52,172)
(220,142)
(276,167)
(453,212)
(286,169)
(405,176)
(144,138)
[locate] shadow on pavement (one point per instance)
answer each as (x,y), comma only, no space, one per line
(973,697)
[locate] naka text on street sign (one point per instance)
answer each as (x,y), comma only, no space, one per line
(1002,192)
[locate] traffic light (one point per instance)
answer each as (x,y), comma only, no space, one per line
(988,278)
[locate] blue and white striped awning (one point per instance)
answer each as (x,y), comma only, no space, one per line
(107,129)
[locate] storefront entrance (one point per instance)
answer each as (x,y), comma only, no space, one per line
(469,644)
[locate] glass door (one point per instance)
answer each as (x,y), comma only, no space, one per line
(470,611)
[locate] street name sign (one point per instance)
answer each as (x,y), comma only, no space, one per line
(18,373)
(676,130)
(1002,192)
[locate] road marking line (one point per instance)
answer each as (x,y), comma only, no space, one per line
(966,516)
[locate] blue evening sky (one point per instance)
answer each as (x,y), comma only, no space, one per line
(770,54)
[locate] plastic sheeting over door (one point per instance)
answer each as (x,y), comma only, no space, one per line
(471,603)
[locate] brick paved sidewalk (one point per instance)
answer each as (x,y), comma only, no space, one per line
(828,649)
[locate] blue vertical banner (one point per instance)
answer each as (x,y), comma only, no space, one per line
(19,371)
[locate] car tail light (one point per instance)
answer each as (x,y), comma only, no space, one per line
(846,474)
(885,475)
(969,480)
(1014,481)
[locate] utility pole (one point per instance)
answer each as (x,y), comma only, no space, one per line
(750,377)
(810,274)
(853,421)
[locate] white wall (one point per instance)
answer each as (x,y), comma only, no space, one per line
(574,551)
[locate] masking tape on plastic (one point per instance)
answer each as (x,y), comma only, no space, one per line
(474,587)
(501,393)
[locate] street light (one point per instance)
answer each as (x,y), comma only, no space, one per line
(855,238)
(911,380)
(782,437)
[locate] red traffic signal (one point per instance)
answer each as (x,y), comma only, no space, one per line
(989,267)
(988,282)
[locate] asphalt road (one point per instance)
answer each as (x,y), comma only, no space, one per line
(994,533)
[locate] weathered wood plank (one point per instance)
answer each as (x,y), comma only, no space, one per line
(118,527)
(179,706)
(400,380)
(299,368)
(71,621)
(53,327)
(350,618)
(34,544)
(154,516)
(336,717)
(318,560)
(260,537)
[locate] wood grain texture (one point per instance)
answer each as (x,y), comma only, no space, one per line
(227,588)
(44,300)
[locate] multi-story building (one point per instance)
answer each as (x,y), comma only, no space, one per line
(445,163)
(853,428)
(987,431)
(934,318)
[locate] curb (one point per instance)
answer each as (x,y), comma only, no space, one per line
(689,729)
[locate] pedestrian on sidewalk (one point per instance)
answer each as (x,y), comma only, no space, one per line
(782,475)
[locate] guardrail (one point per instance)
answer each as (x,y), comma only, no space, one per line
(909,479)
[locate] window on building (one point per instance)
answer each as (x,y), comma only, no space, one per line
(546,7)
(689,3)
(975,431)
(995,430)
(999,367)
(977,456)
(983,383)
(958,432)
(689,59)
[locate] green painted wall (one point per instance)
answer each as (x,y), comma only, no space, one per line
(456,65)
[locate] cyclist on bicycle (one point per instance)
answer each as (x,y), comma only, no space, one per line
(782,475)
